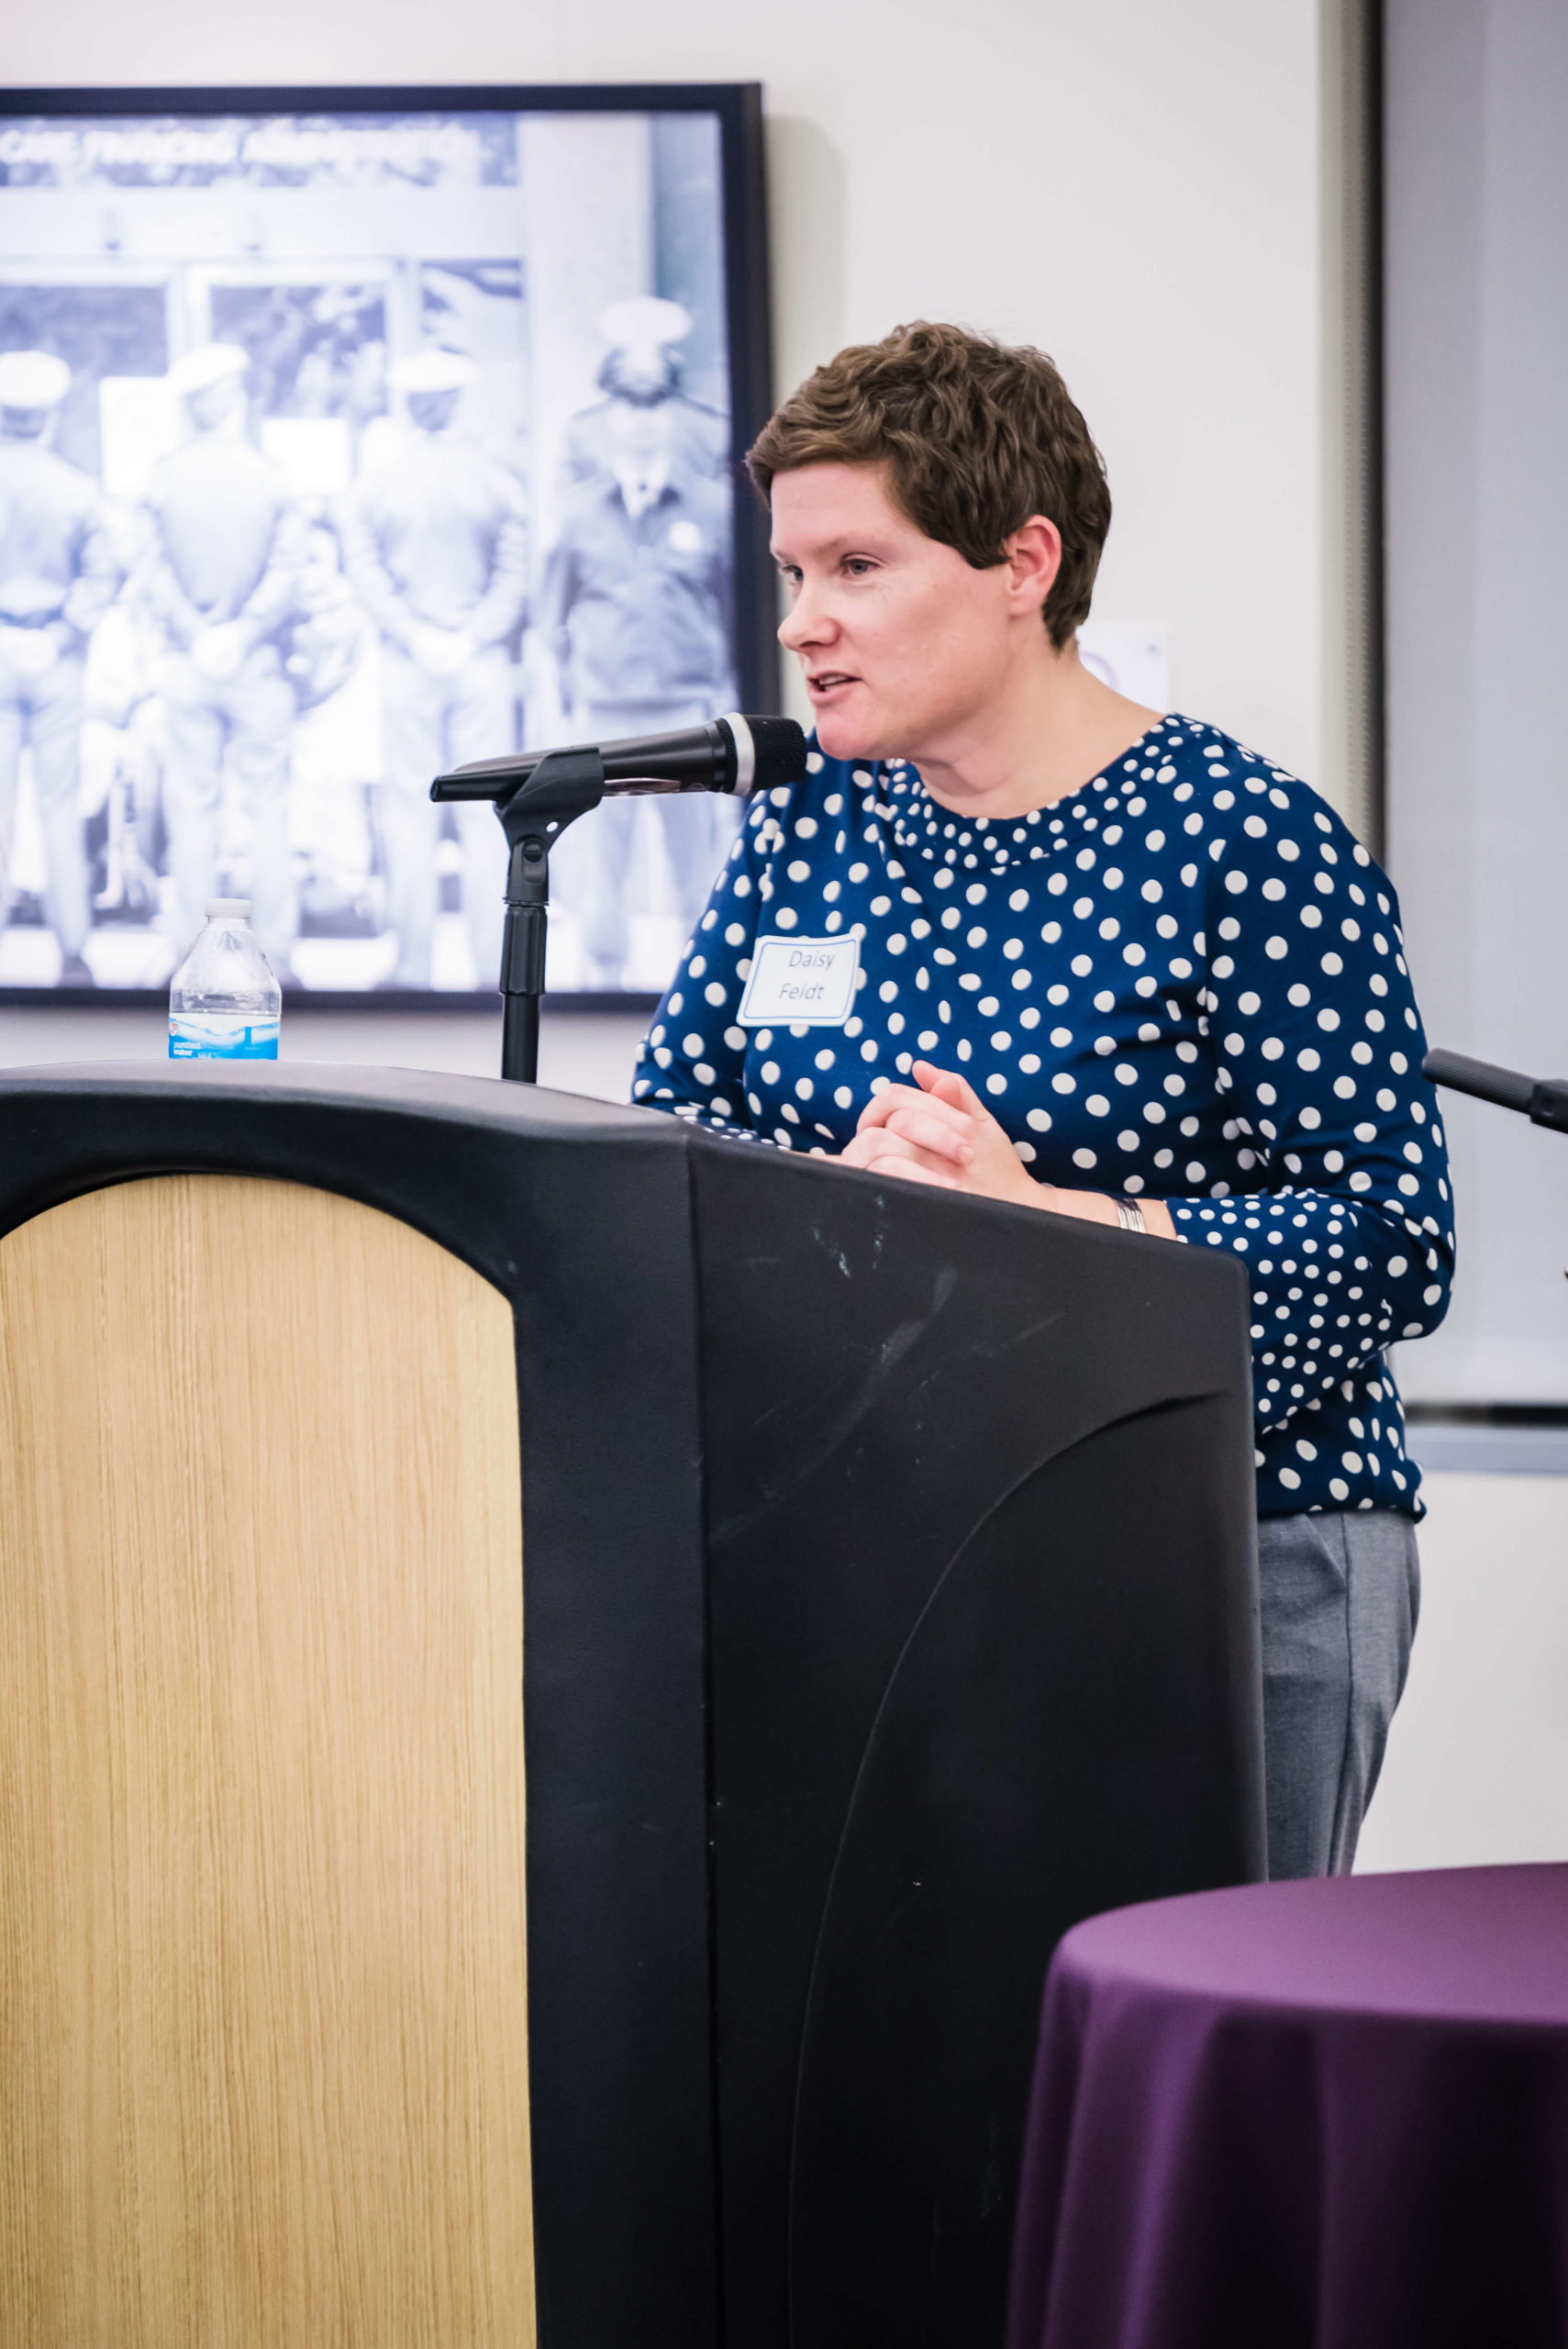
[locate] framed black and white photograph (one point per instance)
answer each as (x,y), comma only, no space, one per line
(345,436)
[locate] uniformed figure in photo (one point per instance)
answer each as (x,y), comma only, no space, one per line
(636,609)
(642,369)
(221,583)
(435,540)
(58,576)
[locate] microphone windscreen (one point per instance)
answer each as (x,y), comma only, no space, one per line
(780,746)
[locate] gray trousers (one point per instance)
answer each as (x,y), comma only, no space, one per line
(1340,1593)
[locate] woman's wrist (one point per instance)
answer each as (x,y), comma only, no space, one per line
(1100,1207)
(1089,1207)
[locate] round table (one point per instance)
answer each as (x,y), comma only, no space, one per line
(1331,2114)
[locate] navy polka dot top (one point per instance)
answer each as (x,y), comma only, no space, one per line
(1185,980)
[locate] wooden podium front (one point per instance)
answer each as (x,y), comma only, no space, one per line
(560,1679)
(262,1897)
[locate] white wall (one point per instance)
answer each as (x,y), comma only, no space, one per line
(1477,1764)
(1133,184)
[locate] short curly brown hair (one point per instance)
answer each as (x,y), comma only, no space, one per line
(975,438)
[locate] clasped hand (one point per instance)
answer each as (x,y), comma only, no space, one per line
(942,1133)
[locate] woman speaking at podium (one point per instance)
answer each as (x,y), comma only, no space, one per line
(1015,935)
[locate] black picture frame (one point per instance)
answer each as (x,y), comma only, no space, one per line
(738,108)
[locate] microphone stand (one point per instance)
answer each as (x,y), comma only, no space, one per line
(563,786)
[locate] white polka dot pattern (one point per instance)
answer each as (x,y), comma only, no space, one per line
(1186,981)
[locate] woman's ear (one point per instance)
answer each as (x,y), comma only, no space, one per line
(1033,557)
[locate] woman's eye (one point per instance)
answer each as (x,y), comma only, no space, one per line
(858,567)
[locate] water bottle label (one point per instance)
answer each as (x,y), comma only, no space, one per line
(212,1036)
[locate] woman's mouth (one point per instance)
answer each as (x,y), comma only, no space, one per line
(827,681)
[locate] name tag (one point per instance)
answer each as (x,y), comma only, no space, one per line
(805,979)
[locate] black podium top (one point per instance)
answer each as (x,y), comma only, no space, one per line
(889,1606)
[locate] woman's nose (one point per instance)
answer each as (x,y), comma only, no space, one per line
(804,623)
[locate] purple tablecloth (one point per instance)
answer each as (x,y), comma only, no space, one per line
(1325,2115)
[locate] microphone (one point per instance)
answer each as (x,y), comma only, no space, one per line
(729,753)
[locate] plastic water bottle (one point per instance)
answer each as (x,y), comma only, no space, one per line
(224,1002)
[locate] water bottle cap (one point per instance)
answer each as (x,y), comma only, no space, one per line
(239,906)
